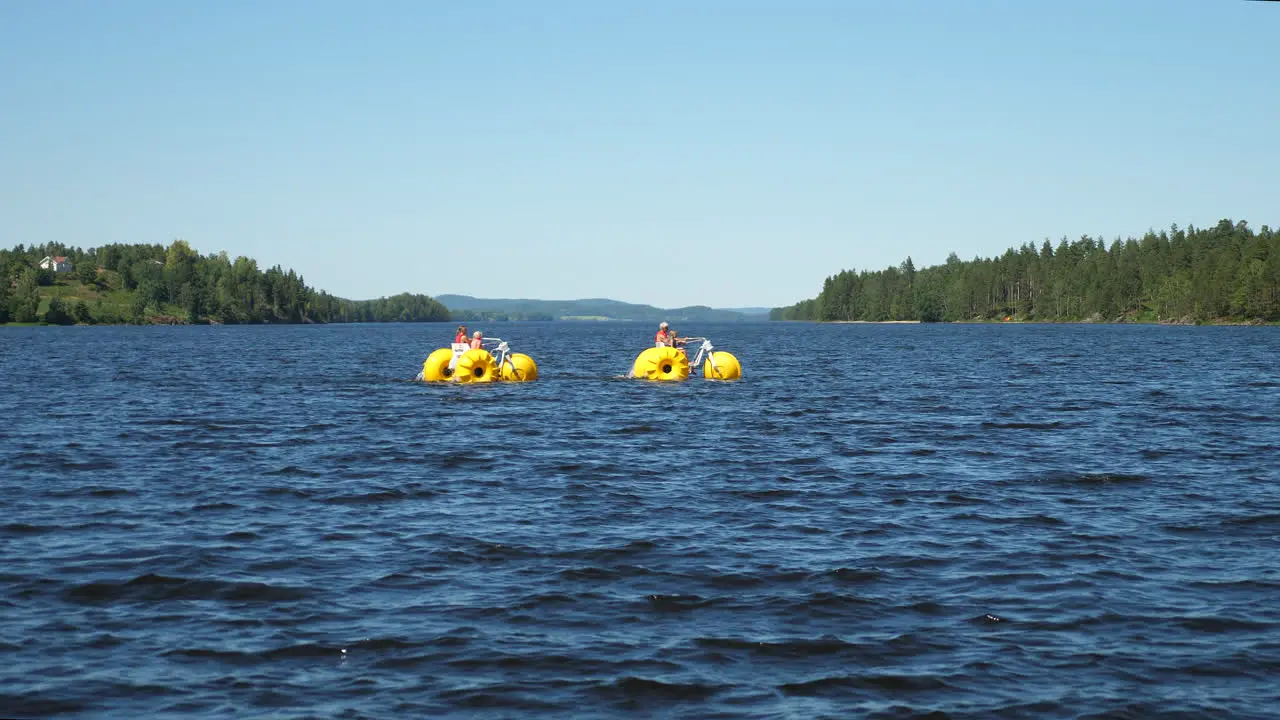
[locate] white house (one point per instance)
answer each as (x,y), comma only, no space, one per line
(56,264)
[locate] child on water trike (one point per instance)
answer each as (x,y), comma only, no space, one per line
(666,337)
(477,360)
(668,359)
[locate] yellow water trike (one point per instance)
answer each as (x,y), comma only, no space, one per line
(670,364)
(460,363)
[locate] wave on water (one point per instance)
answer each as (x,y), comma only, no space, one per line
(924,529)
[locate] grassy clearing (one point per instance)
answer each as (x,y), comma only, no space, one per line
(106,298)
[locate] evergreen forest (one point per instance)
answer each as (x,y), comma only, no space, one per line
(1229,273)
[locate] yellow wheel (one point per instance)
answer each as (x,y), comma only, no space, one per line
(436,367)
(642,362)
(662,364)
(519,368)
(725,367)
(475,366)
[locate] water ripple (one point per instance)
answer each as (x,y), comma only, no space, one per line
(957,521)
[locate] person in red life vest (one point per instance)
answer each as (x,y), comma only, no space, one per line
(662,338)
(476,340)
(461,337)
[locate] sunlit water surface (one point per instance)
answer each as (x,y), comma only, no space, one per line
(1025,521)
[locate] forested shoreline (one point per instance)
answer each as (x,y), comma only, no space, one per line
(1228,273)
(145,284)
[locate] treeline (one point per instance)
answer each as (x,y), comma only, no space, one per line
(151,283)
(1226,273)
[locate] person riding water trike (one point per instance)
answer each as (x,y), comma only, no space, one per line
(663,337)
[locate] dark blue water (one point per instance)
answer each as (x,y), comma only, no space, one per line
(879,521)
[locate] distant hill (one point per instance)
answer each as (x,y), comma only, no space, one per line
(465,307)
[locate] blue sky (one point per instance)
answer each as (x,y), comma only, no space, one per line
(716,152)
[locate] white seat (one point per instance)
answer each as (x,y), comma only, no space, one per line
(458,349)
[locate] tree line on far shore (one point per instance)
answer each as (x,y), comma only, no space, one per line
(1225,273)
(140,283)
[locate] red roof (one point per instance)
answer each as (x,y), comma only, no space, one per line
(60,259)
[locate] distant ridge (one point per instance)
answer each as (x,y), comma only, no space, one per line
(465,307)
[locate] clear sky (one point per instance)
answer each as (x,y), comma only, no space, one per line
(669,152)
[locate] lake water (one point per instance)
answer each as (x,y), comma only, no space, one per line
(877,521)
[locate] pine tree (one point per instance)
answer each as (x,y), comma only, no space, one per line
(26,297)
(5,294)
